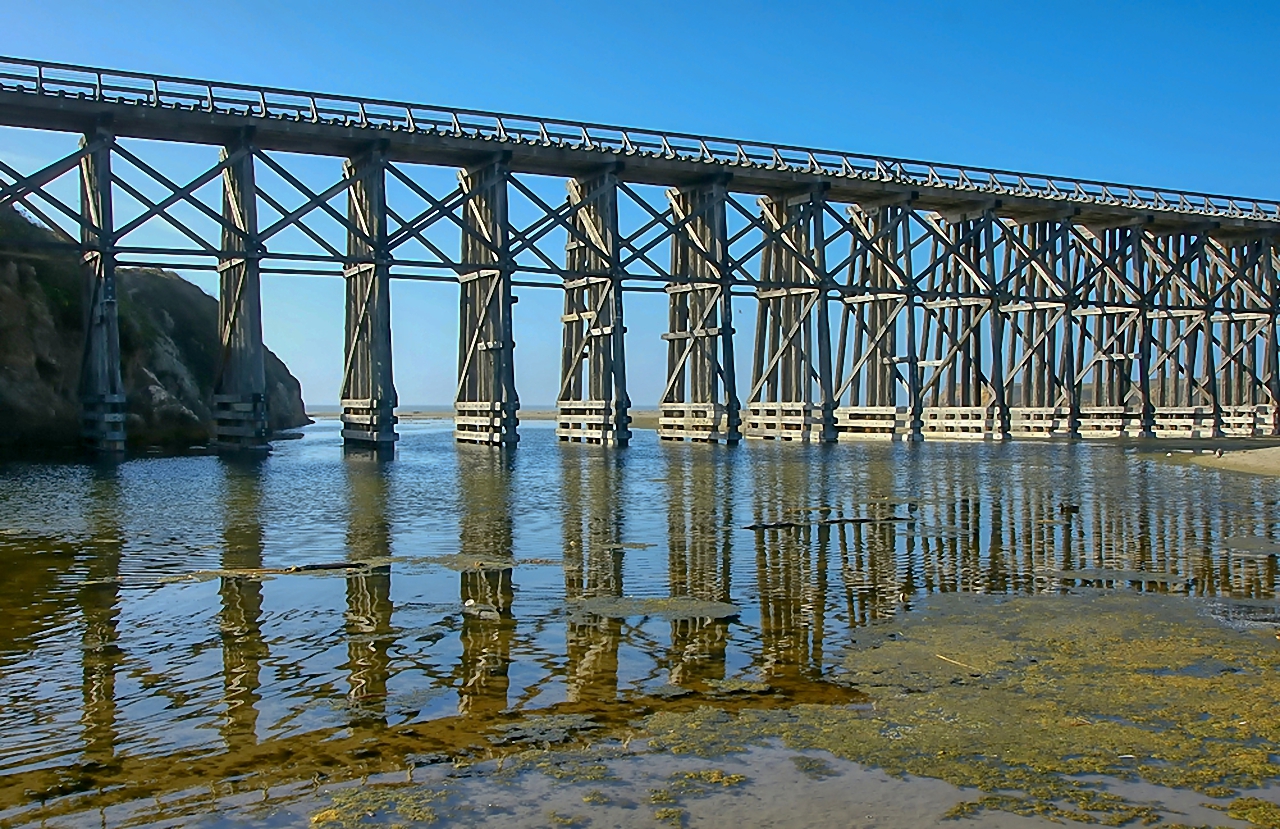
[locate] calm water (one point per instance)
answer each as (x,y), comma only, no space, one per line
(154,640)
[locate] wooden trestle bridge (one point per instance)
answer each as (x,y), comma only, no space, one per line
(894,298)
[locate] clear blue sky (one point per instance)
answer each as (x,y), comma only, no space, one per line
(1175,94)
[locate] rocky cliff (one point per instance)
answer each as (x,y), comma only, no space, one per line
(168,343)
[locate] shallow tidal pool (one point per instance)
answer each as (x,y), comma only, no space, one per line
(882,635)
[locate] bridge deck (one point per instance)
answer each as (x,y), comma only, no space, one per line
(53,96)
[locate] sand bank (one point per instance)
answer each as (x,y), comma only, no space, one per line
(1257,461)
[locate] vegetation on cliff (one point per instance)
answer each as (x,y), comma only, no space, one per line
(168,343)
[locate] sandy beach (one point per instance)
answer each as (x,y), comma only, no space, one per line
(1264,461)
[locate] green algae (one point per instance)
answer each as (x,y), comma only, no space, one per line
(468,562)
(702,782)
(1260,813)
(378,805)
(676,608)
(690,784)
(702,732)
(738,686)
(564,765)
(1036,702)
(400,804)
(815,768)
(1020,697)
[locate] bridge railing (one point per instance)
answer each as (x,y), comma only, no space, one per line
(164,92)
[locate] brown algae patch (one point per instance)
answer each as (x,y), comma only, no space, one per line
(1021,697)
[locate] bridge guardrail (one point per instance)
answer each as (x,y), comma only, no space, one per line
(165,92)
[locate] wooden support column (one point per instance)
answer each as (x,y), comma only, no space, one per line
(368,393)
(899,250)
(593,403)
(1210,286)
(240,385)
(486,403)
(1213,286)
(1139,271)
(1272,287)
(1067,267)
(700,401)
(880,297)
(790,395)
(998,290)
(822,312)
(102,397)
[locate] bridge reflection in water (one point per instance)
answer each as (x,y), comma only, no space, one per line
(243,647)
(459,605)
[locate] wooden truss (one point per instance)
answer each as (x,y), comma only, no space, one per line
(368,394)
(700,400)
(973,321)
(101,386)
(240,386)
(592,400)
(979,326)
(790,393)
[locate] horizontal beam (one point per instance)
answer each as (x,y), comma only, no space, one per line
(72,98)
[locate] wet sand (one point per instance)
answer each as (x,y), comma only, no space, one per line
(1257,461)
(775,790)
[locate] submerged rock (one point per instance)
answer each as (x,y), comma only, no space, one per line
(1102,574)
(668,692)
(1240,614)
(550,729)
(680,607)
(478,610)
(1251,545)
(738,686)
(464,562)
